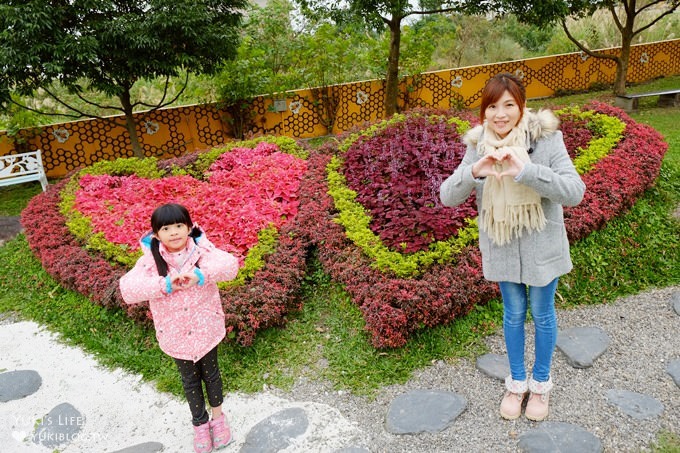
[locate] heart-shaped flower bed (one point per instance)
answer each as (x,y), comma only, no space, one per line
(369,203)
(246,191)
(400,161)
(246,199)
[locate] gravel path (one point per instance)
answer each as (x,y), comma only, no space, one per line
(644,334)
(644,331)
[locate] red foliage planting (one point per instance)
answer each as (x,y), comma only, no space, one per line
(263,302)
(399,193)
(394,307)
(247,190)
(63,256)
(400,189)
(576,135)
(619,178)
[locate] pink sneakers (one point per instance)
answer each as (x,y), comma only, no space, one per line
(221,433)
(202,441)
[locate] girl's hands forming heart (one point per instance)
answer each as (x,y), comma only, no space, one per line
(183,281)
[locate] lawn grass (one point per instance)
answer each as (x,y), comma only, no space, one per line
(638,250)
(13,198)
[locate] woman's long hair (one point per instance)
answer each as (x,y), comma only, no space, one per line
(169,214)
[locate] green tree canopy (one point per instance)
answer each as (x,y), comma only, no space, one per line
(390,14)
(631,17)
(106,46)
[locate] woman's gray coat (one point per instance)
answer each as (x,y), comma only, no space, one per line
(535,258)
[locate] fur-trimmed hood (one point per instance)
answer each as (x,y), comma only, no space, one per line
(540,124)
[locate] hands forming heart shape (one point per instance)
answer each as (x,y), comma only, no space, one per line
(183,281)
(498,164)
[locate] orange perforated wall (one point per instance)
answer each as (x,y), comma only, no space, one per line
(175,131)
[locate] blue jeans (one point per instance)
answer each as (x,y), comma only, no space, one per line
(542,299)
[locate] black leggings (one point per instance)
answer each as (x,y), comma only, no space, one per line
(193,373)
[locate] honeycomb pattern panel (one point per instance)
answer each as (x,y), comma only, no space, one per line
(654,60)
(208,125)
(161,133)
(176,131)
(433,90)
(360,102)
(303,117)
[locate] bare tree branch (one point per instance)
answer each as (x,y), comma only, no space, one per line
(617,21)
(666,13)
(161,104)
(31,109)
(99,106)
(649,5)
(585,49)
(70,107)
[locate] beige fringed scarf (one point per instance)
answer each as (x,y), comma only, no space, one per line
(507,206)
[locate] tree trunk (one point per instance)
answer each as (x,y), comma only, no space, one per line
(392,79)
(130,124)
(622,63)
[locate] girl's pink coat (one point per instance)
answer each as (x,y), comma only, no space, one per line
(190,322)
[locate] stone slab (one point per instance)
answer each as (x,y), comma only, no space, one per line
(424,411)
(146,447)
(675,301)
(636,405)
(582,345)
(673,369)
(494,365)
(552,437)
(59,427)
(276,432)
(18,384)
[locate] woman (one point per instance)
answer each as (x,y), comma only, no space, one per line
(518,165)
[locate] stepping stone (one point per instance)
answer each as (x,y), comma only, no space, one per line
(675,301)
(15,385)
(552,437)
(424,411)
(146,447)
(494,365)
(673,369)
(9,228)
(60,426)
(276,432)
(637,405)
(582,345)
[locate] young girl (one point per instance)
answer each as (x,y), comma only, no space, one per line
(177,275)
(519,167)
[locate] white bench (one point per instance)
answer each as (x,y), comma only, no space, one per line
(667,98)
(24,167)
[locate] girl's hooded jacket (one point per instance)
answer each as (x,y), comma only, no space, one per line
(190,322)
(538,257)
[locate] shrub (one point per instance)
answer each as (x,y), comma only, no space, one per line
(620,160)
(266,293)
(343,211)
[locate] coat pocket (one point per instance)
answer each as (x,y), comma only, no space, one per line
(550,244)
